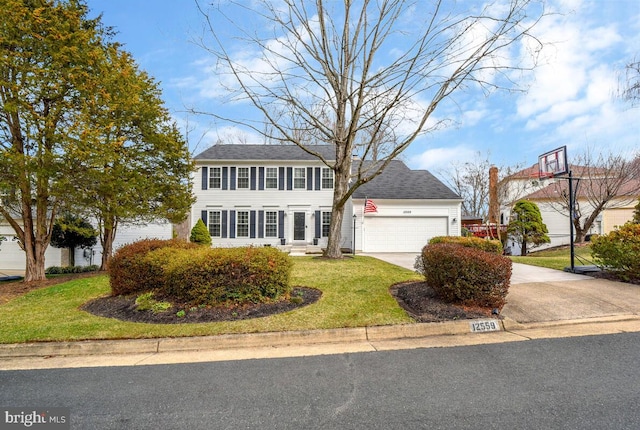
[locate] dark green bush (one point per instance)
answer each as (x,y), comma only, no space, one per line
(130,271)
(488,245)
(57,270)
(212,276)
(466,275)
(619,251)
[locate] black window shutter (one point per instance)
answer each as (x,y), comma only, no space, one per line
(289,178)
(281,224)
(281,178)
(232,224)
(252,179)
(205,178)
(318,224)
(318,177)
(232,184)
(225,177)
(261,178)
(203,215)
(252,224)
(260,224)
(224,224)
(309,178)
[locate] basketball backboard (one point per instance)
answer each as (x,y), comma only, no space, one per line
(553,163)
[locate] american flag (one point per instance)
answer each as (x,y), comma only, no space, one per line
(369,206)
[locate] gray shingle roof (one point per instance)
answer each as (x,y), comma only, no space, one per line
(265,152)
(397,181)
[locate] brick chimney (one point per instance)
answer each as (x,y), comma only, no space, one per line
(494,207)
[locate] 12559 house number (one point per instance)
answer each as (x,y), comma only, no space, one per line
(482,326)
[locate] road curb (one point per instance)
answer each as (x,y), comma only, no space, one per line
(293,338)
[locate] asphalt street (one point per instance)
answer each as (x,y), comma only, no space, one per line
(589,382)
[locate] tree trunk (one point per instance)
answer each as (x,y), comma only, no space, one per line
(523,248)
(72,256)
(107,238)
(342,173)
(34,253)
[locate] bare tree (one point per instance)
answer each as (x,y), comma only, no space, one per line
(629,86)
(348,72)
(605,181)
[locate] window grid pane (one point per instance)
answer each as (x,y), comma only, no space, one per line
(326,221)
(271,182)
(242,227)
(327,178)
(271,224)
(299,181)
(243,177)
(215,177)
(215,226)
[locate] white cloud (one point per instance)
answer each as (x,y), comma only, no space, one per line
(439,159)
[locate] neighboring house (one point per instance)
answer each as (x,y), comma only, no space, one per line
(526,185)
(280,195)
(12,257)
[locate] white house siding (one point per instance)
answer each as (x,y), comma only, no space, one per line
(404,225)
(12,257)
(126,233)
(288,203)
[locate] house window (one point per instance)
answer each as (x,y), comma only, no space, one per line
(215,177)
(327,178)
(242,224)
(299,178)
(271,224)
(326,221)
(215,225)
(243,178)
(271,178)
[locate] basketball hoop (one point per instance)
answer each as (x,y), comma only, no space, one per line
(553,163)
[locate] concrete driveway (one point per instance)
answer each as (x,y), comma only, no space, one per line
(539,294)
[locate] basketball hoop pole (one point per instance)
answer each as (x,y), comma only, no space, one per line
(571,214)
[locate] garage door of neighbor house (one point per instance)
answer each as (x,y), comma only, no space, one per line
(11,256)
(397,234)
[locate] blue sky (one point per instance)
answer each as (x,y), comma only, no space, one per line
(570,99)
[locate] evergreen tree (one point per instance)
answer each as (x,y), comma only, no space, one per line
(636,214)
(200,234)
(526,225)
(73,232)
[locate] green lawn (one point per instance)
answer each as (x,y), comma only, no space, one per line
(355,293)
(557,258)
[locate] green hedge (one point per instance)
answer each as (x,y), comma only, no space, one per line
(466,275)
(58,270)
(212,276)
(488,245)
(619,251)
(129,270)
(189,273)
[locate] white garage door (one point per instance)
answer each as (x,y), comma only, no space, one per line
(11,256)
(393,234)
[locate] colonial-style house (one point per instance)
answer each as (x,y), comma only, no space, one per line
(547,194)
(280,195)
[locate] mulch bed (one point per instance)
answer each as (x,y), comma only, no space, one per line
(420,301)
(124,308)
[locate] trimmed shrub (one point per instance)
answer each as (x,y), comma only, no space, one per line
(213,276)
(200,234)
(129,270)
(57,270)
(466,275)
(488,245)
(619,251)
